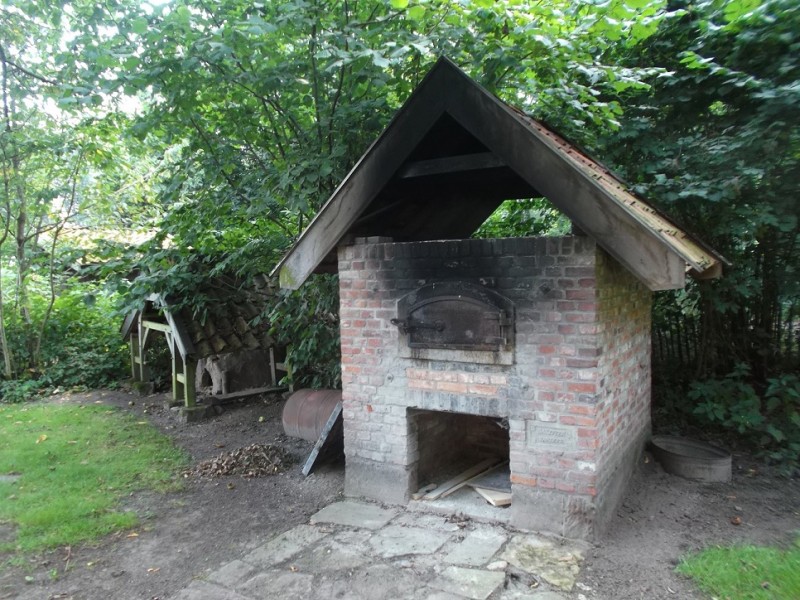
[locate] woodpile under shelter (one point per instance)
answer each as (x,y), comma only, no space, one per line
(526,356)
(224,353)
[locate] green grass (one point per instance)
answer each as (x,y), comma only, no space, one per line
(75,463)
(746,572)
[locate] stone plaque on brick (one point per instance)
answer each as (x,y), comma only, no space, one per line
(551,436)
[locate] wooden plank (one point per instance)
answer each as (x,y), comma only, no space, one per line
(422,491)
(133,344)
(128,323)
(177,365)
(497,479)
(219,398)
(331,440)
(450,164)
(272,372)
(494,497)
(157,326)
(460,479)
(370,174)
(455,488)
(189,369)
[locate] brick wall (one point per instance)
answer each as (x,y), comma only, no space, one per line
(574,392)
(623,407)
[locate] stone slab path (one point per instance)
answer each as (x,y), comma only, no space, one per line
(360,551)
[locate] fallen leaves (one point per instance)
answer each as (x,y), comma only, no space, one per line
(256,460)
(41,438)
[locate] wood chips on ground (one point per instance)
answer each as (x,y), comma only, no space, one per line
(256,460)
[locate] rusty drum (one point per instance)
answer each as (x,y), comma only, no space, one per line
(306,412)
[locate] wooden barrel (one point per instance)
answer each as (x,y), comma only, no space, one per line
(306,412)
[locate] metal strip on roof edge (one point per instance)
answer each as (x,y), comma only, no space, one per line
(699,258)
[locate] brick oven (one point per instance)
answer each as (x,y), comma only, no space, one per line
(533,352)
(564,394)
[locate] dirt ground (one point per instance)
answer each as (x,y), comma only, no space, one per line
(185,535)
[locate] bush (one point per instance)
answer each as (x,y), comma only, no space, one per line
(306,321)
(769,420)
(81,345)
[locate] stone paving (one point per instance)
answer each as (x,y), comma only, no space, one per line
(360,551)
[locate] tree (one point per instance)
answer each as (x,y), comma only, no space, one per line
(716,142)
(57,137)
(266,106)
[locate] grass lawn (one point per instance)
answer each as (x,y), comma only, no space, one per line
(746,572)
(74,464)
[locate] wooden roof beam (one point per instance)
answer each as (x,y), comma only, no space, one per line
(451,164)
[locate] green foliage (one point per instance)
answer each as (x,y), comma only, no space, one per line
(715,141)
(256,112)
(717,144)
(524,218)
(746,572)
(769,420)
(75,464)
(307,322)
(81,346)
(13,391)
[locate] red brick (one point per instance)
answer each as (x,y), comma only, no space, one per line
(522,480)
(452,387)
(585,294)
(582,409)
(579,317)
(581,363)
(582,388)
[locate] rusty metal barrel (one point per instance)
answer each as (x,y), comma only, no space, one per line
(306,412)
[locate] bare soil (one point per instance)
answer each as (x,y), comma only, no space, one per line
(186,534)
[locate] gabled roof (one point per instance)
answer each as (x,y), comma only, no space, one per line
(228,324)
(448,159)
